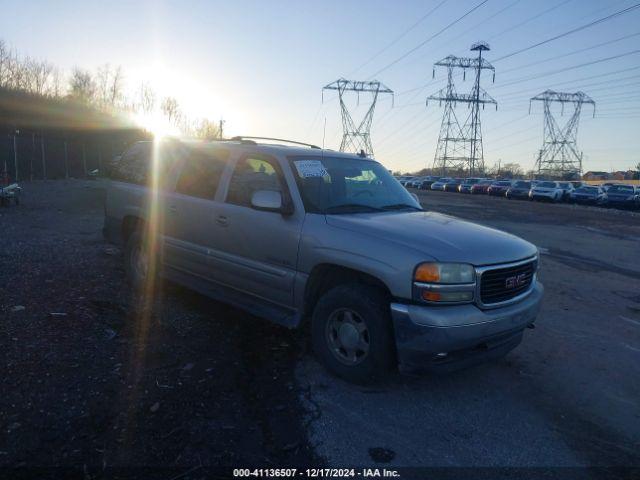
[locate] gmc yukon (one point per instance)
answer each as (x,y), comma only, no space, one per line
(299,234)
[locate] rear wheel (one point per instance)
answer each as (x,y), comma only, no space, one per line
(138,260)
(351,332)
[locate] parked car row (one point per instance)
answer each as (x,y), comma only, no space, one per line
(608,194)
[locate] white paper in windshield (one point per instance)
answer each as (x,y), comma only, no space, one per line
(310,168)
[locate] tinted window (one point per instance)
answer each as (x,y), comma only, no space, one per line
(547,184)
(201,174)
(251,175)
(133,166)
(523,185)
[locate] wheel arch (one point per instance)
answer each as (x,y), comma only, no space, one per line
(325,276)
(130,223)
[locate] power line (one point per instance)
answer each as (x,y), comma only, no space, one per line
(485,20)
(570,32)
(399,37)
(530,19)
(555,72)
(608,83)
(421,44)
(571,53)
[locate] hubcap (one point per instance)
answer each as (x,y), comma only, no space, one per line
(347,336)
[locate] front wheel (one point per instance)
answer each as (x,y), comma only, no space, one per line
(352,334)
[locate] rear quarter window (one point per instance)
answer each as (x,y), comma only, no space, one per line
(133,165)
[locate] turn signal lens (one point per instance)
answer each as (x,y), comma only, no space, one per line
(431,296)
(453,297)
(428,273)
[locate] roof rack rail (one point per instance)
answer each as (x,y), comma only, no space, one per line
(250,140)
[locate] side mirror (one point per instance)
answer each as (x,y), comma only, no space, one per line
(267,200)
(415,197)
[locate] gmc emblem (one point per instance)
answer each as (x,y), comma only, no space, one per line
(515,281)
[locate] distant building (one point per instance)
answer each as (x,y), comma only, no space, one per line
(596,176)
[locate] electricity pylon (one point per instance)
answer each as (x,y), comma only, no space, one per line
(559,155)
(460,143)
(357,139)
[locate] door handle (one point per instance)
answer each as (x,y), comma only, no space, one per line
(222,220)
(173,209)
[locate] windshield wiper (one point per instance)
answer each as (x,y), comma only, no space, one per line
(400,206)
(352,207)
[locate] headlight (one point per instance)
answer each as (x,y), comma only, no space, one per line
(445,273)
(444,283)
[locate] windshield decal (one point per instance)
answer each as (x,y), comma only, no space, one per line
(310,168)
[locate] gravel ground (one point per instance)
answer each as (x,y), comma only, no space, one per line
(566,399)
(90,378)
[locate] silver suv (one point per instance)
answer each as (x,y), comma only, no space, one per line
(299,234)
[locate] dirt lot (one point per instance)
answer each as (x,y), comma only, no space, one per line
(568,396)
(91,378)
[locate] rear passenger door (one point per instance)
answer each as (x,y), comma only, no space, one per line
(257,250)
(190,212)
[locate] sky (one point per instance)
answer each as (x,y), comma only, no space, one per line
(261,65)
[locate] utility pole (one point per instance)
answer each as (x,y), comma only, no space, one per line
(44,162)
(84,159)
(33,154)
(460,143)
(15,154)
(66,160)
(220,129)
(559,155)
(357,139)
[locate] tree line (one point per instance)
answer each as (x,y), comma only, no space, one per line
(103,89)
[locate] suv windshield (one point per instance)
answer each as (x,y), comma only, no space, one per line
(348,185)
(547,185)
(522,185)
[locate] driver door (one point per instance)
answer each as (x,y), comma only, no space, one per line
(257,251)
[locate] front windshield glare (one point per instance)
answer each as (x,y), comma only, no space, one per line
(348,185)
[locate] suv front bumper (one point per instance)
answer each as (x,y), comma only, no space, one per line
(466,334)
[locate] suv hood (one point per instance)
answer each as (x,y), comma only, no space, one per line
(445,238)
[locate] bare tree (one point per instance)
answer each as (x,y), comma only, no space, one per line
(109,85)
(512,170)
(37,75)
(82,86)
(206,129)
(54,85)
(170,109)
(147,100)
(5,60)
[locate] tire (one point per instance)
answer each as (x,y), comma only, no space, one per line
(362,313)
(137,268)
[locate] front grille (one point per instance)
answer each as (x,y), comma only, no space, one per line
(503,284)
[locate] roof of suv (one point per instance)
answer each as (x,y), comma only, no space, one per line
(272,148)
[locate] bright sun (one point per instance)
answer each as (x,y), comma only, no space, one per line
(156,123)
(196,101)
